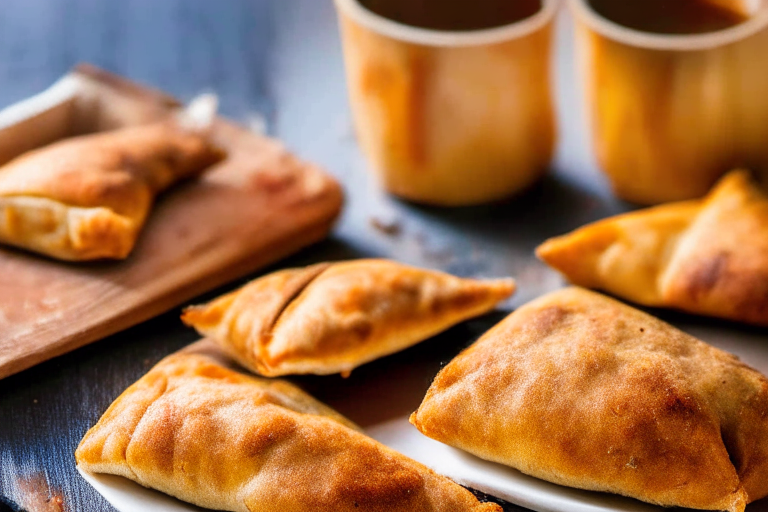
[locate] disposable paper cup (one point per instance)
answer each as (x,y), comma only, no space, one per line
(670,114)
(451,118)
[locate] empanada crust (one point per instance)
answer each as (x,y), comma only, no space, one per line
(88,197)
(584,391)
(706,257)
(217,438)
(332,318)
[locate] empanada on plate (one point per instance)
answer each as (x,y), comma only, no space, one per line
(87,197)
(217,438)
(707,257)
(581,390)
(332,318)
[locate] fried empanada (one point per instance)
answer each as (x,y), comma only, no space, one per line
(87,197)
(220,439)
(707,257)
(332,318)
(584,391)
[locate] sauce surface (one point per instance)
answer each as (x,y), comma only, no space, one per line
(456,15)
(668,16)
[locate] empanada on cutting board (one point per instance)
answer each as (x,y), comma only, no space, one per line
(581,390)
(217,438)
(332,318)
(257,206)
(87,197)
(707,257)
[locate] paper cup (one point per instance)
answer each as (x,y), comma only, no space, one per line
(451,118)
(670,114)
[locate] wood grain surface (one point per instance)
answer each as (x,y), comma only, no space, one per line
(256,207)
(278,62)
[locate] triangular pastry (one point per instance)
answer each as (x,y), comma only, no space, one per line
(217,438)
(707,257)
(87,197)
(584,391)
(332,318)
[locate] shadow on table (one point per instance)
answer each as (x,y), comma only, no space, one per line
(554,205)
(394,386)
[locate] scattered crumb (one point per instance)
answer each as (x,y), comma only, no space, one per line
(56,504)
(34,401)
(147,362)
(388,227)
(35,495)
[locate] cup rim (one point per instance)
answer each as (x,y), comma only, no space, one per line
(447,38)
(674,42)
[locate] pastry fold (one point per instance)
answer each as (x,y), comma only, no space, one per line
(332,318)
(707,257)
(217,438)
(584,391)
(87,197)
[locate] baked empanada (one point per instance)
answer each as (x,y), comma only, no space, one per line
(217,438)
(332,318)
(708,257)
(87,197)
(584,391)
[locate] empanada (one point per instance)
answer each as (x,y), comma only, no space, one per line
(87,197)
(584,391)
(219,439)
(332,318)
(708,257)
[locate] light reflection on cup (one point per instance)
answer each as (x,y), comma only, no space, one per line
(451,118)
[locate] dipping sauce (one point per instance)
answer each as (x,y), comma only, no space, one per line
(456,15)
(668,16)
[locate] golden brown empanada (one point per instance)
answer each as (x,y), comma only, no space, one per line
(584,391)
(707,257)
(87,197)
(332,318)
(219,439)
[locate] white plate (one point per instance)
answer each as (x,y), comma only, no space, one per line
(381,395)
(497,480)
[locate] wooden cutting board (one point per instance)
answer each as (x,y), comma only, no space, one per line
(258,206)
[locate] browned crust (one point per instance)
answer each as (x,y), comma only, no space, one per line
(721,265)
(261,302)
(120,171)
(581,390)
(333,318)
(705,257)
(220,439)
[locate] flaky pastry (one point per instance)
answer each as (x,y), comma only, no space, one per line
(217,438)
(707,257)
(332,318)
(87,197)
(581,390)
